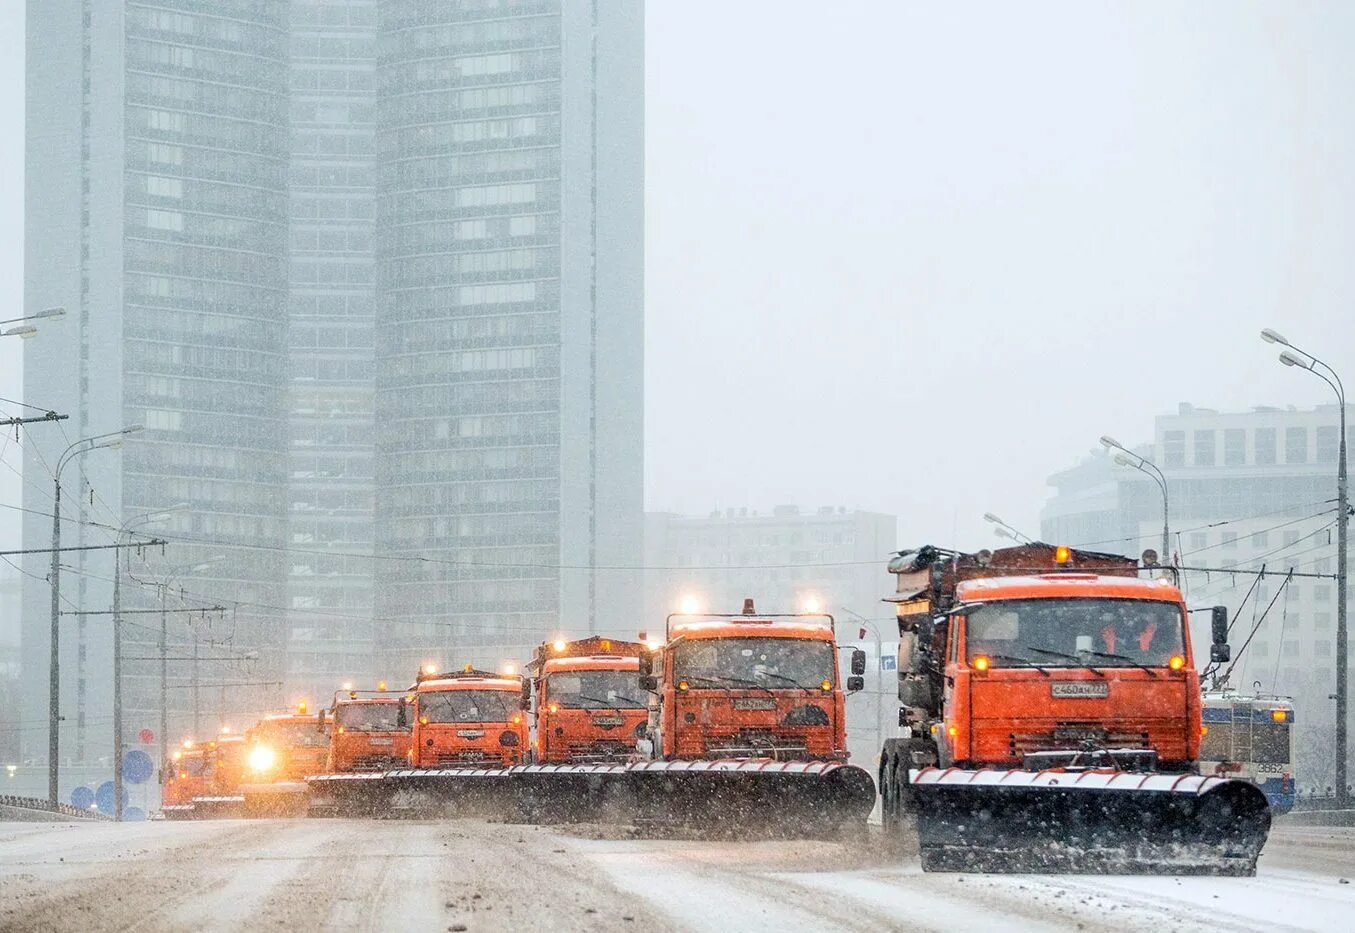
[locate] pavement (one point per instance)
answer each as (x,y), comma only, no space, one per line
(303,875)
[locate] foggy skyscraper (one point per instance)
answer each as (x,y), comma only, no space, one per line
(370,274)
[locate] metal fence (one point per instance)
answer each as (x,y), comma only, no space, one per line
(64,809)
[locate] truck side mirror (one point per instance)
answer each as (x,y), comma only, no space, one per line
(401,714)
(646,662)
(1218,618)
(525,701)
(856,683)
(320,721)
(858,662)
(1218,623)
(649,682)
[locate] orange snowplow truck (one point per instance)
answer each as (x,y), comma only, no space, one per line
(468,719)
(368,731)
(187,776)
(1051,718)
(587,702)
(750,723)
(282,749)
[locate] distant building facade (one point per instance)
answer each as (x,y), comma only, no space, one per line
(369,272)
(1246,490)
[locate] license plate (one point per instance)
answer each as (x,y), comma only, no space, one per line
(607,720)
(1080,689)
(755,703)
(383,741)
(471,733)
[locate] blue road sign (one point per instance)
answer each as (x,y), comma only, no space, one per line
(103,797)
(889,662)
(133,814)
(82,797)
(137,767)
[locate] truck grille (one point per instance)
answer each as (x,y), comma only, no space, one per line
(758,744)
(470,756)
(376,763)
(1074,736)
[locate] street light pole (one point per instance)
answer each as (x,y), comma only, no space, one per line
(1305,360)
(83,446)
(1127,457)
(1002,527)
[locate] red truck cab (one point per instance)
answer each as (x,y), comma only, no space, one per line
(468,718)
(368,733)
(587,701)
(286,747)
(750,686)
(187,776)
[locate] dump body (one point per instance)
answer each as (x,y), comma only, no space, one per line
(1052,716)
(368,734)
(468,720)
(587,704)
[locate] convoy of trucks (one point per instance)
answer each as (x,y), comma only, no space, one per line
(1049,720)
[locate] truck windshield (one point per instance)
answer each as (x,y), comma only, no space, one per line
(294,734)
(195,765)
(596,689)
(468,705)
(770,663)
(1067,632)
(370,717)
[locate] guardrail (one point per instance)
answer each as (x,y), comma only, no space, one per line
(64,809)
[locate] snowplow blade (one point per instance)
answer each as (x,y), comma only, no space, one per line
(218,807)
(179,811)
(583,793)
(434,792)
(359,793)
(1094,821)
(280,799)
(779,798)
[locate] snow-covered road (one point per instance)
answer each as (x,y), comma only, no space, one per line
(391,875)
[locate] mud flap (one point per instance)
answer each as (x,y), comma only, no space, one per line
(745,796)
(1092,821)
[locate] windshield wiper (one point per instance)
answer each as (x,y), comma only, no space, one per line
(790,680)
(1120,657)
(724,681)
(605,703)
(1067,657)
(1028,662)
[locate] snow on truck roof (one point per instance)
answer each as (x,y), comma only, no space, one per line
(1088,585)
(470,683)
(603,662)
(802,627)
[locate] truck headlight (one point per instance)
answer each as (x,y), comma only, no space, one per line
(262,758)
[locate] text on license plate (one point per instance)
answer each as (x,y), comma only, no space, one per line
(1080,689)
(755,703)
(607,720)
(383,741)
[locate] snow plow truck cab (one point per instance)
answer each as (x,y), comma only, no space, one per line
(587,702)
(468,719)
(281,751)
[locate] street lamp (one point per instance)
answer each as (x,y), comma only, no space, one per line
(1004,530)
(21,332)
(1127,457)
(1293,356)
(47,314)
(82,446)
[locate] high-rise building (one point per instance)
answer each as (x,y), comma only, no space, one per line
(369,272)
(1246,491)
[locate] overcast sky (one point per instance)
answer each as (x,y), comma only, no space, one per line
(915,257)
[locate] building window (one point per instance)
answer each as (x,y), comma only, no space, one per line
(1174,448)
(1234,447)
(1291,649)
(1291,537)
(1328,440)
(1322,621)
(1322,593)
(1265,445)
(1204,448)
(1261,649)
(1260,539)
(1321,649)
(1295,445)
(1198,540)
(1230,540)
